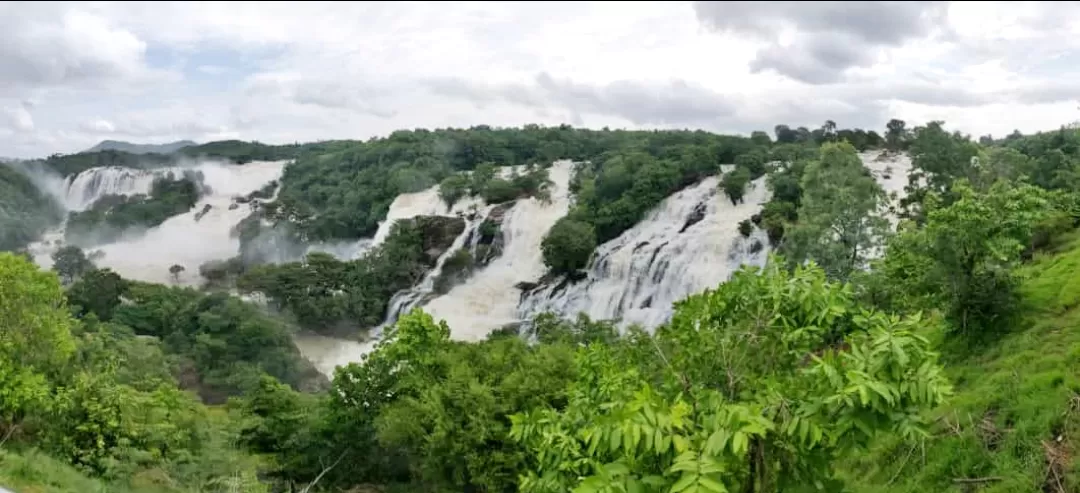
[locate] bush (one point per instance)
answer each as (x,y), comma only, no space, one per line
(453,188)
(734,184)
(497,191)
(745,228)
(568,245)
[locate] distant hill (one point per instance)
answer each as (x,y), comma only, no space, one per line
(116,145)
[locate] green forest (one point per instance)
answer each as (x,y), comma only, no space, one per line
(933,353)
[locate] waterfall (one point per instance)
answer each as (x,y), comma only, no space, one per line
(190,239)
(489,299)
(410,298)
(79,192)
(688,243)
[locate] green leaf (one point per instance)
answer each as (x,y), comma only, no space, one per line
(687,480)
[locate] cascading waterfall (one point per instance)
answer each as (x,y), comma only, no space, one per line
(637,276)
(688,243)
(408,299)
(489,299)
(188,239)
(83,189)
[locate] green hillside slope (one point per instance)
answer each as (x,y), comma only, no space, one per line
(1013,424)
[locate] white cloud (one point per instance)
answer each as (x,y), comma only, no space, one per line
(19,119)
(285,72)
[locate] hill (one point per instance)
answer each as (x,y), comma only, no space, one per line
(1014,420)
(117,145)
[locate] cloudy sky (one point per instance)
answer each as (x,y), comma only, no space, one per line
(74,74)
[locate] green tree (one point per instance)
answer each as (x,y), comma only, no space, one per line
(759,385)
(895,134)
(938,159)
(964,257)
(568,245)
(734,184)
(35,337)
(754,162)
(71,263)
(175,270)
(745,228)
(453,188)
(760,138)
(97,292)
(840,217)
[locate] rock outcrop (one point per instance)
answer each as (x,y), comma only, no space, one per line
(438,234)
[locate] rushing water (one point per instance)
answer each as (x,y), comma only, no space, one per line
(688,243)
(489,299)
(665,257)
(188,239)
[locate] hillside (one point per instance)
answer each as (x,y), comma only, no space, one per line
(117,145)
(809,323)
(1013,423)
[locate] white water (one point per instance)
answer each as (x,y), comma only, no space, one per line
(147,256)
(638,275)
(489,299)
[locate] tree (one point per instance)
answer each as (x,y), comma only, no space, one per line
(785,135)
(963,259)
(452,188)
(895,134)
(745,228)
(35,337)
(734,184)
(840,216)
(760,138)
(756,386)
(754,161)
(828,131)
(568,245)
(97,292)
(175,270)
(71,263)
(938,159)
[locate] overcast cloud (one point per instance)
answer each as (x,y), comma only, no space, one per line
(74,74)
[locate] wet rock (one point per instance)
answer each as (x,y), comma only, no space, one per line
(526,285)
(206,209)
(756,246)
(695,216)
(234,206)
(438,233)
(489,246)
(756,219)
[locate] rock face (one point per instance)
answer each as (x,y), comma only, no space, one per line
(438,233)
(695,216)
(206,209)
(490,244)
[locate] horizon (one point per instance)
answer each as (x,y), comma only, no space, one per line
(77,74)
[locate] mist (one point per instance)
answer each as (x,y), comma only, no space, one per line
(202,234)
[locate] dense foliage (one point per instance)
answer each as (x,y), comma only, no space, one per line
(333,296)
(100,398)
(25,211)
(112,215)
(840,216)
(815,373)
(217,345)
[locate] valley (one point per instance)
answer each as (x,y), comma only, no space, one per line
(485,290)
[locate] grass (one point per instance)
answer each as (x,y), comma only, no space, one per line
(34,472)
(1013,423)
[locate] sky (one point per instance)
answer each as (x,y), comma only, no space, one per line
(73,74)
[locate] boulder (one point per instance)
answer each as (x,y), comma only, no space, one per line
(438,233)
(206,209)
(695,216)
